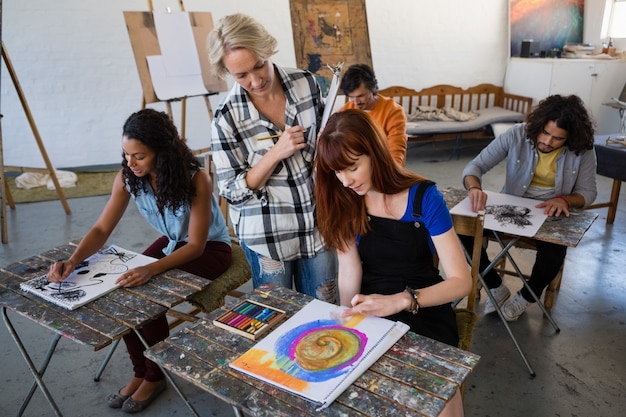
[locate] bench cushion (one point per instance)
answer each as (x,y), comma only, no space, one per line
(486,117)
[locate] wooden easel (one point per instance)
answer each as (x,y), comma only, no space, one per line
(6,192)
(145,43)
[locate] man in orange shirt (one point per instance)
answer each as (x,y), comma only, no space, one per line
(361,88)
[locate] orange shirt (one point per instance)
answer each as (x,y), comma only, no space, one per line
(391,118)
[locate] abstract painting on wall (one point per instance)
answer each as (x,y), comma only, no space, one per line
(329,32)
(550,24)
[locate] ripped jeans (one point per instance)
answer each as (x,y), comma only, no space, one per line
(316,277)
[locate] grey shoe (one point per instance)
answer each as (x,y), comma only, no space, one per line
(500,293)
(116,400)
(132,406)
(512,309)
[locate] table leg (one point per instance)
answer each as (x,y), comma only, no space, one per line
(106,360)
(521,276)
(37,373)
(617,185)
(169,378)
(493,300)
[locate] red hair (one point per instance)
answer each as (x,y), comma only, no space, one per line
(341,213)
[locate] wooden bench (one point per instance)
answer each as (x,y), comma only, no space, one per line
(491,103)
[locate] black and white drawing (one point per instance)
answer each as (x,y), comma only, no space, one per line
(507,213)
(90,279)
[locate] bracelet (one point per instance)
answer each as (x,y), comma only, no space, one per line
(564,199)
(415,305)
(474,186)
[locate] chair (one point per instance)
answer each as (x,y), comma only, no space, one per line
(472,226)
(466,317)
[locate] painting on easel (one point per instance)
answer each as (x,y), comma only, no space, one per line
(327,33)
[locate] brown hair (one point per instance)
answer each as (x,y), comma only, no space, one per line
(341,213)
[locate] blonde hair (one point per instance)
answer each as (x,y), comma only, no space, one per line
(238,31)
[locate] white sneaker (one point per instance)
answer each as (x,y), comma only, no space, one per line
(500,293)
(512,309)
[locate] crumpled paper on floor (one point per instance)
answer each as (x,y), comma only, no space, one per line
(28,180)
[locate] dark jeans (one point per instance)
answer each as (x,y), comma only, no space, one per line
(211,264)
(548,261)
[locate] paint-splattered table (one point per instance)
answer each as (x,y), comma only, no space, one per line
(562,230)
(414,378)
(98,324)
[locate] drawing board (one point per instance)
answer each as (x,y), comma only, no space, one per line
(507,213)
(146,42)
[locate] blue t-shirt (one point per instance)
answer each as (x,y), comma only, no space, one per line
(435,214)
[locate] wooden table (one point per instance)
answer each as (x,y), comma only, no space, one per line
(98,324)
(611,163)
(416,377)
(565,231)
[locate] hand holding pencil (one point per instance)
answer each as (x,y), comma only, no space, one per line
(290,141)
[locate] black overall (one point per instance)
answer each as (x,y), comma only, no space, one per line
(395,254)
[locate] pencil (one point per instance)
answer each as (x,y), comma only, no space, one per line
(270,137)
(275,136)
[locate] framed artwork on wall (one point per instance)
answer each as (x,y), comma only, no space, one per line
(549,24)
(329,32)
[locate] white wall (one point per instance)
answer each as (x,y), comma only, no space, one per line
(76,68)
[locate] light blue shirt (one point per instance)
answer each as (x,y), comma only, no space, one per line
(175,224)
(574,173)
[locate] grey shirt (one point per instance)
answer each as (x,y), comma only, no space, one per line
(574,173)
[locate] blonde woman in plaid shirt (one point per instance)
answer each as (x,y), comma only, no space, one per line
(268,182)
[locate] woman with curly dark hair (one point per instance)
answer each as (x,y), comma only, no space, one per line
(549,158)
(175,196)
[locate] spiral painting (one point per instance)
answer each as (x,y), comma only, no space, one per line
(321,350)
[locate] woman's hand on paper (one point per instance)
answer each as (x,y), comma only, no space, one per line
(135,277)
(376,305)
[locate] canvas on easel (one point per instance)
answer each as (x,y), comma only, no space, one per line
(145,43)
(147,46)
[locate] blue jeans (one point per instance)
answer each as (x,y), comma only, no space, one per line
(316,276)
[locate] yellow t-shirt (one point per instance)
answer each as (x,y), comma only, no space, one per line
(545,172)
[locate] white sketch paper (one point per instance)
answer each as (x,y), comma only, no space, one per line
(507,214)
(92,278)
(317,356)
(176,72)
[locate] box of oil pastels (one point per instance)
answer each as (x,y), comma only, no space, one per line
(250,319)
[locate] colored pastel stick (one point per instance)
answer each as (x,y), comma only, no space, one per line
(228,316)
(268,315)
(243,308)
(244,323)
(236,320)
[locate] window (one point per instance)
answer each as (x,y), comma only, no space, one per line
(615,19)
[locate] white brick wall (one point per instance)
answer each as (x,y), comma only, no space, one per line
(75,64)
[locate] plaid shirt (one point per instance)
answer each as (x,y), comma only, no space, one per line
(278,219)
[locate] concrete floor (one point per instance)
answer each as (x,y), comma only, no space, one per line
(580,371)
